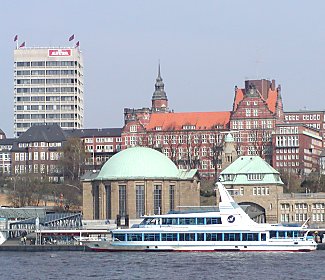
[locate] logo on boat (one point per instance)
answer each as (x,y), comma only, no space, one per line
(231,219)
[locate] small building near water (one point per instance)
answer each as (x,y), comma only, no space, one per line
(257,187)
(138,181)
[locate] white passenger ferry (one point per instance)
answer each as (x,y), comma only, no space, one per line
(229,229)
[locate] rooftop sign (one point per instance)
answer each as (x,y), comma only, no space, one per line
(59,52)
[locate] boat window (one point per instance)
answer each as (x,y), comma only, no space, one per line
(169,236)
(263,236)
(200,221)
(151,237)
(231,236)
(186,236)
(187,221)
(134,237)
(200,236)
(119,236)
(249,236)
(213,221)
(272,234)
(169,221)
(214,237)
(281,234)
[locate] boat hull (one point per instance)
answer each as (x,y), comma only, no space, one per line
(111,247)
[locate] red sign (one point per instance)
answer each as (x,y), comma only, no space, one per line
(59,52)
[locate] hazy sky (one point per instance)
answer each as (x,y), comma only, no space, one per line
(206,48)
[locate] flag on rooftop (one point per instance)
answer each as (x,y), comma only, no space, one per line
(16,38)
(71,38)
(22,45)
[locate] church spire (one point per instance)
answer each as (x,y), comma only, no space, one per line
(159,97)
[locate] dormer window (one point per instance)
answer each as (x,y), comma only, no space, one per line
(255,177)
(228,177)
(158,127)
(188,127)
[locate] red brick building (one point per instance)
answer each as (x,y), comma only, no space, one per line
(256,110)
(296,148)
(313,119)
(257,122)
(100,144)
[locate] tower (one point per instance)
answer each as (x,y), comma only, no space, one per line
(48,88)
(159,97)
(229,153)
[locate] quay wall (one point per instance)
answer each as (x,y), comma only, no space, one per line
(43,248)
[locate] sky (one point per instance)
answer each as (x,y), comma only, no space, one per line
(205,49)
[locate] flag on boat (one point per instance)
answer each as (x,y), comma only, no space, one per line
(16,38)
(22,45)
(71,38)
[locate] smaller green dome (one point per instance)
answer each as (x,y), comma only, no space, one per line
(138,163)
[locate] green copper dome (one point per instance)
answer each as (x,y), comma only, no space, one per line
(138,163)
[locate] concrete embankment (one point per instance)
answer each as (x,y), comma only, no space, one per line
(43,248)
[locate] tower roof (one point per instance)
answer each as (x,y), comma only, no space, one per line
(159,93)
(250,170)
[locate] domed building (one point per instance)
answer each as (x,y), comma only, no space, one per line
(138,181)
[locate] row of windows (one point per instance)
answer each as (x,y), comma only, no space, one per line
(47,63)
(284,141)
(286,206)
(42,116)
(104,148)
(191,221)
(103,140)
(188,237)
(37,168)
(244,236)
(261,191)
(47,72)
(281,164)
(47,81)
(286,157)
(289,150)
(37,156)
(316,217)
(252,124)
(42,107)
(49,89)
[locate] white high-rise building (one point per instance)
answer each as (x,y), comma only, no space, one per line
(48,88)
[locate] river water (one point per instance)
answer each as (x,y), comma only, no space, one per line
(159,265)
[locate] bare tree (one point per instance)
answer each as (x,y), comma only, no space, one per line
(73,158)
(215,146)
(28,190)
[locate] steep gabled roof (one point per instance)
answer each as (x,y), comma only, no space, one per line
(7,141)
(271,100)
(42,133)
(239,96)
(240,169)
(201,120)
